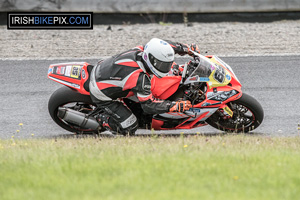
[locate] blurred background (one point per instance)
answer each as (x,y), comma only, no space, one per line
(155,11)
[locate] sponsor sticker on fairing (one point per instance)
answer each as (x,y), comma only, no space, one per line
(228,111)
(195,110)
(58,70)
(62,70)
(75,71)
(68,70)
(49,70)
(194,78)
(228,77)
(203,79)
(83,74)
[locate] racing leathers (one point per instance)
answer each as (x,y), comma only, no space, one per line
(122,76)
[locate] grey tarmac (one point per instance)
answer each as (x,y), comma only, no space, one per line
(265,57)
(272,80)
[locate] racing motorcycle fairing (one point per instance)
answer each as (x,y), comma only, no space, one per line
(159,123)
(222,87)
(214,71)
(74,75)
(220,95)
(221,90)
(193,118)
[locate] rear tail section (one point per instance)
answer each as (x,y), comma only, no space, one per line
(75,75)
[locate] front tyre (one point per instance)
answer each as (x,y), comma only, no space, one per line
(247,116)
(65,97)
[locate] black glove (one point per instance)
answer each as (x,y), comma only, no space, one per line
(184,49)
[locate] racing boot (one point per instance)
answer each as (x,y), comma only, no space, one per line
(108,123)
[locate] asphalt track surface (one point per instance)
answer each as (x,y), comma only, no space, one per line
(273,80)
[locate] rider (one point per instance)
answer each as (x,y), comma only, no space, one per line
(128,74)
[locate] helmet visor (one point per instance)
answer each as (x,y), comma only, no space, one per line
(161,66)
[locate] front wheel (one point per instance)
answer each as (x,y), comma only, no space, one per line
(247,116)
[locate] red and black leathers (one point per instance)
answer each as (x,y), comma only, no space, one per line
(123,76)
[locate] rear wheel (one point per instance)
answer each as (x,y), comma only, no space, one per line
(68,98)
(247,116)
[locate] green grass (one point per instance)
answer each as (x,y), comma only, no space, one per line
(196,167)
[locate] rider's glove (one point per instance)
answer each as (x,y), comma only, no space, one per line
(180,106)
(186,49)
(182,49)
(195,48)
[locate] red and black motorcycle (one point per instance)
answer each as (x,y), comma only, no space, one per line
(207,81)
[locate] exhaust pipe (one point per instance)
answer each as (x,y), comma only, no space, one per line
(78,118)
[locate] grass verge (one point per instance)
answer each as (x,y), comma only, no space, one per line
(196,167)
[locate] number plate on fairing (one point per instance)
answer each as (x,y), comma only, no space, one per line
(219,76)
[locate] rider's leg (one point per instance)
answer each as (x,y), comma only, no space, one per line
(117,118)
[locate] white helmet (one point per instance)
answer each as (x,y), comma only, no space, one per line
(159,56)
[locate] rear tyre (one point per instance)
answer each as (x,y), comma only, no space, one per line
(66,97)
(247,116)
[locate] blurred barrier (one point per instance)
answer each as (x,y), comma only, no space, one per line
(151,6)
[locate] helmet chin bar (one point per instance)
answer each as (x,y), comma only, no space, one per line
(150,70)
(155,71)
(146,67)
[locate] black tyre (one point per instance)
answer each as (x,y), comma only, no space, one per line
(66,97)
(247,116)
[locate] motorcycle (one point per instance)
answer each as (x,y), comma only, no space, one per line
(207,81)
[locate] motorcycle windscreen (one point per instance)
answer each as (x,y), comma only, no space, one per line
(211,72)
(203,69)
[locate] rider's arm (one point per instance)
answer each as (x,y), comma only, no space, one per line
(150,104)
(183,49)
